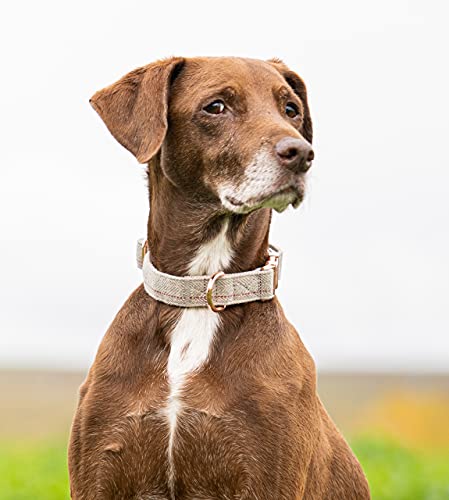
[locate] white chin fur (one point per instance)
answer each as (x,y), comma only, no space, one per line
(254,191)
(278,202)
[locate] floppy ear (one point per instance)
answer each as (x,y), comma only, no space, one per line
(135,108)
(299,88)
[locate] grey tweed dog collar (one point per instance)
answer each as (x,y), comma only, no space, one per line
(216,291)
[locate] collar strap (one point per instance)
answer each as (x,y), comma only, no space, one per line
(216,291)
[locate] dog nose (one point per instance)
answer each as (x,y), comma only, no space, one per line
(295,153)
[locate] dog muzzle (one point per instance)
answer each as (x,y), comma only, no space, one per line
(217,291)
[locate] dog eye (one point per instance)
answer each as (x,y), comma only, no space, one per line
(291,110)
(215,107)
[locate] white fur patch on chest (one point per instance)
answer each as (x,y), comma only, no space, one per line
(192,337)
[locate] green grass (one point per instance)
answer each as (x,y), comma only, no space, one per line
(38,471)
(398,473)
(35,471)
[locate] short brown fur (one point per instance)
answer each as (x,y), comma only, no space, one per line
(252,426)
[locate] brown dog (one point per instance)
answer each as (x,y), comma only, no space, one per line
(187,403)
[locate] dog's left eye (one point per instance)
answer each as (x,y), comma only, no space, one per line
(215,107)
(291,110)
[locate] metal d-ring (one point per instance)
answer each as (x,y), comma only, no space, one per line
(209,290)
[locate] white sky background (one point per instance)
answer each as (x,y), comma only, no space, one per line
(366,273)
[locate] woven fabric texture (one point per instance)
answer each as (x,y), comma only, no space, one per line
(190,291)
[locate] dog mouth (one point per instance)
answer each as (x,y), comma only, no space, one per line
(279,200)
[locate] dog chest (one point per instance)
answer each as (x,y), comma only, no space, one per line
(244,452)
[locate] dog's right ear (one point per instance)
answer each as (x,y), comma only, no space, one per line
(135,108)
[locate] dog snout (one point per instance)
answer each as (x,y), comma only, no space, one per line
(294,153)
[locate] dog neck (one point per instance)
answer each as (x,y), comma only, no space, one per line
(194,236)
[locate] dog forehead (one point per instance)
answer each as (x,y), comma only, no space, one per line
(203,75)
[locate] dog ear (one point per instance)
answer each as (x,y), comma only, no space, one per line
(299,88)
(135,108)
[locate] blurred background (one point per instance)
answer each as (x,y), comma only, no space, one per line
(366,269)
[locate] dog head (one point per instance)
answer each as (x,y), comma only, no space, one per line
(231,130)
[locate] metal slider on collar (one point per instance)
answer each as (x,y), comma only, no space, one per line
(274,262)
